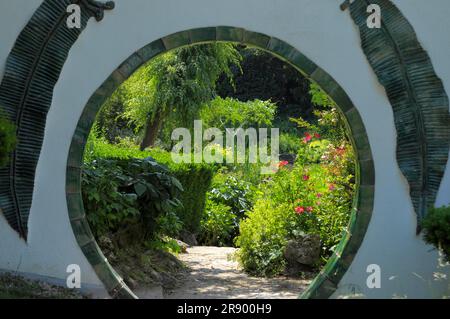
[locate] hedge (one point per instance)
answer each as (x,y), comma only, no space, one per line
(195,178)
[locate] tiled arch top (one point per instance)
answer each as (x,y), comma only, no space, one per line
(325,284)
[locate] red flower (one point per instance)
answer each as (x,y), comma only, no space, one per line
(305,177)
(319,195)
(282,163)
(316,135)
(308,137)
(331,187)
(299,210)
(309,209)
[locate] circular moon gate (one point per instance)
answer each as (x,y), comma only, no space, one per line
(326,282)
(35,63)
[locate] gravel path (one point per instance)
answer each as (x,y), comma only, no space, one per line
(215,275)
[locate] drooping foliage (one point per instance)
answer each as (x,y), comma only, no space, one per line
(171,89)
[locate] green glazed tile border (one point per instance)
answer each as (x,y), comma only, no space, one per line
(302,63)
(177,40)
(90,111)
(326,82)
(320,288)
(94,255)
(229,34)
(111,84)
(109,276)
(75,206)
(83,231)
(130,66)
(73,180)
(335,269)
(280,48)
(325,284)
(122,292)
(368,178)
(355,119)
(256,39)
(342,99)
(151,50)
(203,35)
(366,198)
(291,55)
(76,151)
(362,144)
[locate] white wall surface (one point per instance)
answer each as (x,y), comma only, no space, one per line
(319,30)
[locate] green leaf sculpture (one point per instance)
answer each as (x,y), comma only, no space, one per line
(417,96)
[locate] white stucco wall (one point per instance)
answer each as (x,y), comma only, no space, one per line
(319,30)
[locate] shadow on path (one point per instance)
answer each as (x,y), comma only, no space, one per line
(215,275)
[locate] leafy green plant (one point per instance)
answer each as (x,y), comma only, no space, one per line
(436,226)
(195,178)
(262,238)
(134,193)
(217,225)
(224,113)
(289,143)
(227,201)
(313,196)
(234,193)
(8,140)
(169,89)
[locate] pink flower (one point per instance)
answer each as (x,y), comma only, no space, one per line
(331,187)
(305,177)
(299,210)
(309,209)
(318,203)
(319,195)
(308,137)
(282,164)
(316,135)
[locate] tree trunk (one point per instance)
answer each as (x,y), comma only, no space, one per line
(151,132)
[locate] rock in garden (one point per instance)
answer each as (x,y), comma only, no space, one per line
(188,238)
(304,251)
(183,246)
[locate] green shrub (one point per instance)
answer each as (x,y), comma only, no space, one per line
(436,226)
(289,143)
(217,225)
(262,238)
(310,197)
(195,178)
(232,192)
(228,112)
(7,140)
(227,201)
(131,194)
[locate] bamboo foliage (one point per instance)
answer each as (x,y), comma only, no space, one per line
(418,98)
